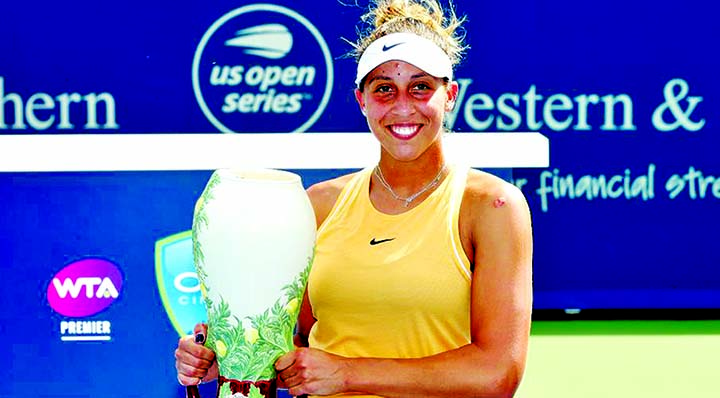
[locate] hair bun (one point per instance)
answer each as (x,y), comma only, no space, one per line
(425,18)
(427,13)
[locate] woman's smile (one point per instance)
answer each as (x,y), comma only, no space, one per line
(404,131)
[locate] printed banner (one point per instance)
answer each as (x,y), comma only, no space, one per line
(99,264)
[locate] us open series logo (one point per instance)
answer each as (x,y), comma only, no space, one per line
(262,68)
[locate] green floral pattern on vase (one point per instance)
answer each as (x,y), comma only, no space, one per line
(246,348)
(255,393)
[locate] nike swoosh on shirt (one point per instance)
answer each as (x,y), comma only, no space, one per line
(374,242)
(389,47)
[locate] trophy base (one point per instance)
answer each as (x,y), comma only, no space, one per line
(268,388)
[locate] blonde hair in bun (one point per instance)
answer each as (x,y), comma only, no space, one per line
(425,18)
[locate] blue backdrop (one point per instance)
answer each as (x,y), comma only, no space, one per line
(625,217)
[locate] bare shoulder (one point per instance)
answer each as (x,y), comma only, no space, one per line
(324,194)
(485,190)
(490,202)
(495,220)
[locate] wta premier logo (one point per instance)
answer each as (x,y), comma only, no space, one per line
(178,283)
(83,289)
(262,68)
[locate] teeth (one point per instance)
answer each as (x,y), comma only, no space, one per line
(404,130)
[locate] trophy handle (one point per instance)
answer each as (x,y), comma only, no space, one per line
(193,391)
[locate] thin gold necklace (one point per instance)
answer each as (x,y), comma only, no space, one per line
(409,199)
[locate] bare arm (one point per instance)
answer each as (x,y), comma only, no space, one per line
(501,299)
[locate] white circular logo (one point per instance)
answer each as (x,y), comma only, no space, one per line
(262,68)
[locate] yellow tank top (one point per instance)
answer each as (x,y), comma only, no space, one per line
(391,286)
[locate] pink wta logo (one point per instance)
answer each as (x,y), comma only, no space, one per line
(84,287)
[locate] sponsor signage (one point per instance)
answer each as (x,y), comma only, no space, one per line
(178,282)
(623,215)
(65,111)
(262,67)
(631,124)
(80,290)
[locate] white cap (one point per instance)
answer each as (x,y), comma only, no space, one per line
(408,47)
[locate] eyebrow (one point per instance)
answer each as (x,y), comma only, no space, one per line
(385,78)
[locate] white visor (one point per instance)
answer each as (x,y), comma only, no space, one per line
(407,47)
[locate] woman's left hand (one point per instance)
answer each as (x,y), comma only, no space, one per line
(312,371)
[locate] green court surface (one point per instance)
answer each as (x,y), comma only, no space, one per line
(617,359)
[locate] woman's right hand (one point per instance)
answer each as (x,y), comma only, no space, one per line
(194,362)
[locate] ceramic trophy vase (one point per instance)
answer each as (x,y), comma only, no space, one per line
(253,243)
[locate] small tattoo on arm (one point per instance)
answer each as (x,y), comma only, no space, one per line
(499,202)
